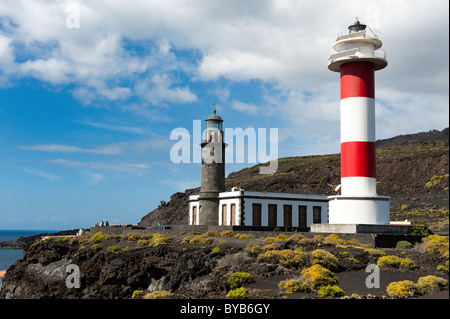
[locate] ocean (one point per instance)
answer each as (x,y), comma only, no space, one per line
(9,256)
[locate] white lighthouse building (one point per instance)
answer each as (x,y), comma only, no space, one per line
(357,55)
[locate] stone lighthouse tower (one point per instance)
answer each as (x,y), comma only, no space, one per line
(357,55)
(213,170)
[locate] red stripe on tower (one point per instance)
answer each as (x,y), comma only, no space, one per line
(358,159)
(357,79)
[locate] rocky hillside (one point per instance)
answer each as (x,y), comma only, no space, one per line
(413,169)
(215,264)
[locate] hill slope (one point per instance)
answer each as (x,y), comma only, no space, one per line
(413,169)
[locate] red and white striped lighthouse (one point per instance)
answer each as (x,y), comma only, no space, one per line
(357,55)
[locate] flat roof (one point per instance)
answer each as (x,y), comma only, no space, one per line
(266,195)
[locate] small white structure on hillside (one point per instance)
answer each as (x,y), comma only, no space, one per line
(244,208)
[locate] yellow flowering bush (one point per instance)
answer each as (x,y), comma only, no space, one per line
(317,276)
(333,291)
(396,262)
(405,288)
(201,239)
(158,239)
(239,293)
(253,250)
(238,278)
(280,237)
(212,233)
(186,240)
(375,252)
(333,239)
(98,237)
(286,257)
(437,238)
(158,294)
(228,233)
(299,238)
(293,285)
(432,283)
(324,258)
(133,237)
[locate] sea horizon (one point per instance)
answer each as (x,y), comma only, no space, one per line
(14,234)
(9,256)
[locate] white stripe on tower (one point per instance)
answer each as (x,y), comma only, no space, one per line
(358,164)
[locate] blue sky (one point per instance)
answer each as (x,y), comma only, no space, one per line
(90,92)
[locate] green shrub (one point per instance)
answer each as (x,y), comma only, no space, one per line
(293,285)
(333,291)
(375,252)
(333,239)
(133,237)
(158,239)
(299,238)
(434,247)
(228,233)
(280,237)
(403,244)
(98,237)
(137,293)
(239,293)
(158,294)
(186,240)
(421,230)
(442,268)
(324,258)
(201,239)
(318,239)
(432,283)
(317,276)
(253,250)
(143,242)
(212,233)
(96,247)
(436,238)
(238,278)
(216,250)
(286,257)
(396,262)
(114,249)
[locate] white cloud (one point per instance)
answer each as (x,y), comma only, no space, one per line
(244,107)
(158,90)
(57,148)
(135,168)
(94,178)
(52,70)
(116,128)
(46,175)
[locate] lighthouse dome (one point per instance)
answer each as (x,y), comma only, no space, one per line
(214,121)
